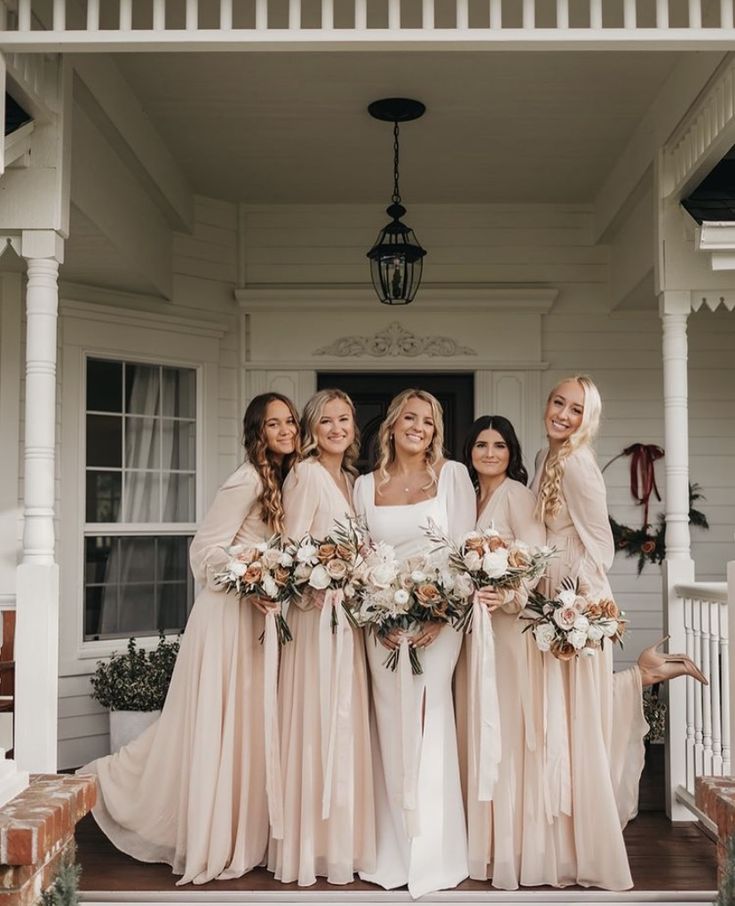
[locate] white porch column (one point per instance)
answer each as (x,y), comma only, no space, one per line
(37,627)
(678,568)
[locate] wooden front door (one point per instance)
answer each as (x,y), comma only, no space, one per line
(372,392)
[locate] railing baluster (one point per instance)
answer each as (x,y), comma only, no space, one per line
(595,13)
(662,13)
(629,14)
(725,687)
(225,15)
(695,13)
(59,15)
(427,14)
(529,13)
(689,738)
(93,15)
(715,611)
(496,14)
(126,15)
(360,12)
(394,14)
(24,15)
(697,657)
(192,15)
(463,14)
(562,13)
(328,14)
(261,15)
(726,18)
(706,693)
(159,15)
(3,15)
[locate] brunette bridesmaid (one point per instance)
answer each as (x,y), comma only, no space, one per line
(503,834)
(329,823)
(191,790)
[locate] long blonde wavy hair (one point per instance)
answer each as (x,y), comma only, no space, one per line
(386,444)
(549,494)
(271,470)
(313,411)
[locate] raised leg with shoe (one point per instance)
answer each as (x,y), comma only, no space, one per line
(657,667)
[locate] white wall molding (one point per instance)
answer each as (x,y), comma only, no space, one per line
(717,239)
(538,299)
(394,340)
(110,315)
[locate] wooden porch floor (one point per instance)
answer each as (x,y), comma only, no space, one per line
(669,864)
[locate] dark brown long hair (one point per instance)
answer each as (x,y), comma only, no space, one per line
(516,470)
(272,471)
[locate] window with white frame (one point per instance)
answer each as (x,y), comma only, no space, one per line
(140,497)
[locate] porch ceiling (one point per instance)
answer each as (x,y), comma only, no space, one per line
(293,128)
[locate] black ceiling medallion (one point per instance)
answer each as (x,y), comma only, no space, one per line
(396,259)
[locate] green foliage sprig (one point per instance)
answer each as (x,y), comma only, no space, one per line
(654,710)
(726,893)
(136,680)
(65,889)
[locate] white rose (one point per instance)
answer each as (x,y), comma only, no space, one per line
(594,633)
(349,591)
(567,597)
(544,635)
(400,597)
(285,560)
(306,553)
(448,580)
(608,627)
(271,557)
(261,547)
(302,572)
(577,638)
(464,586)
(418,576)
(582,623)
(269,586)
(382,575)
(472,560)
(564,617)
(237,567)
(319,578)
(495,563)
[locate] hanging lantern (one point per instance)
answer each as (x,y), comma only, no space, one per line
(397,258)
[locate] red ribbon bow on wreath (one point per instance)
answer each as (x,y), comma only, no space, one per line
(642,473)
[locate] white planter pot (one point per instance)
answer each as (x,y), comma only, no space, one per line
(125,726)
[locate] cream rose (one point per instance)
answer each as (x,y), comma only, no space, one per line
(564,617)
(608,627)
(302,572)
(382,575)
(319,578)
(594,633)
(285,560)
(464,586)
(237,567)
(544,635)
(495,563)
(306,553)
(269,586)
(472,560)
(567,597)
(337,569)
(577,639)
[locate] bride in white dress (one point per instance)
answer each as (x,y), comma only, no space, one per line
(425,848)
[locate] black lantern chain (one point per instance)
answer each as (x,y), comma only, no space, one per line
(396,259)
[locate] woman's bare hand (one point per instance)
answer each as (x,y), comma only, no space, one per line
(264,605)
(490,598)
(427,635)
(392,640)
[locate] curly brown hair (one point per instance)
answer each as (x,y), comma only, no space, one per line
(271,469)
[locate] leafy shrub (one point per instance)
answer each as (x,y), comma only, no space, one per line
(137,680)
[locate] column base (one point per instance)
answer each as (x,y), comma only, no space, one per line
(12,781)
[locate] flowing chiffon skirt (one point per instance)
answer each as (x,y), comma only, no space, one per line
(435,858)
(191,790)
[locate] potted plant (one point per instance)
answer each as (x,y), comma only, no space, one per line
(133,685)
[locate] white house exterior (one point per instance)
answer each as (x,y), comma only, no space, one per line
(196,193)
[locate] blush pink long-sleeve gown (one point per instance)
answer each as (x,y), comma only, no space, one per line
(343,843)
(191,790)
(595,722)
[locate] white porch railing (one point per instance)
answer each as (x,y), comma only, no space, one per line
(703,730)
(88,25)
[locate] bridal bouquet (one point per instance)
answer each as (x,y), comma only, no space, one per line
(571,623)
(335,563)
(485,560)
(404,597)
(264,570)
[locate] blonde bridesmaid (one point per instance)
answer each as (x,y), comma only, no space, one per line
(503,833)
(191,790)
(329,825)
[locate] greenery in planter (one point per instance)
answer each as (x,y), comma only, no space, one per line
(654,710)
(726,893)
(65,889)
(137,680)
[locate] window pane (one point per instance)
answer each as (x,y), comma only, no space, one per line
(104,385)
(179,445)
(137,609)
(178,501)
(174,607)
(104,440)
(100,603)
(173,558)
(142,389)
(104,490)
(137,559)
(98,560)
(142,497)
(179,392)
(142,443)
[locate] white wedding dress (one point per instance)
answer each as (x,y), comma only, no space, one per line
(426,847)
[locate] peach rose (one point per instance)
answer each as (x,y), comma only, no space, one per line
(474,544)
(563,650)
(280,574)
(519,558)
(253,573)
(609,609)
(495,543)
(326,552)
(427,594)
(344,552)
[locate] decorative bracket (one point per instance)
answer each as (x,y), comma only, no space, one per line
(394,340)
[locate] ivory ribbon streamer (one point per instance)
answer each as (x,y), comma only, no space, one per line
(335,688)
(557,770)
(486,708)
(273,779)
(410,750)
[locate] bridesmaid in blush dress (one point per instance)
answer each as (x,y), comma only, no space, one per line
(329,819)
(422,840)
(191,790)
(503,834)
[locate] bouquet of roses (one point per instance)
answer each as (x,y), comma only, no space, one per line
(335,562)
(403,597)
(487,561)
(571,623)
(264,570)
